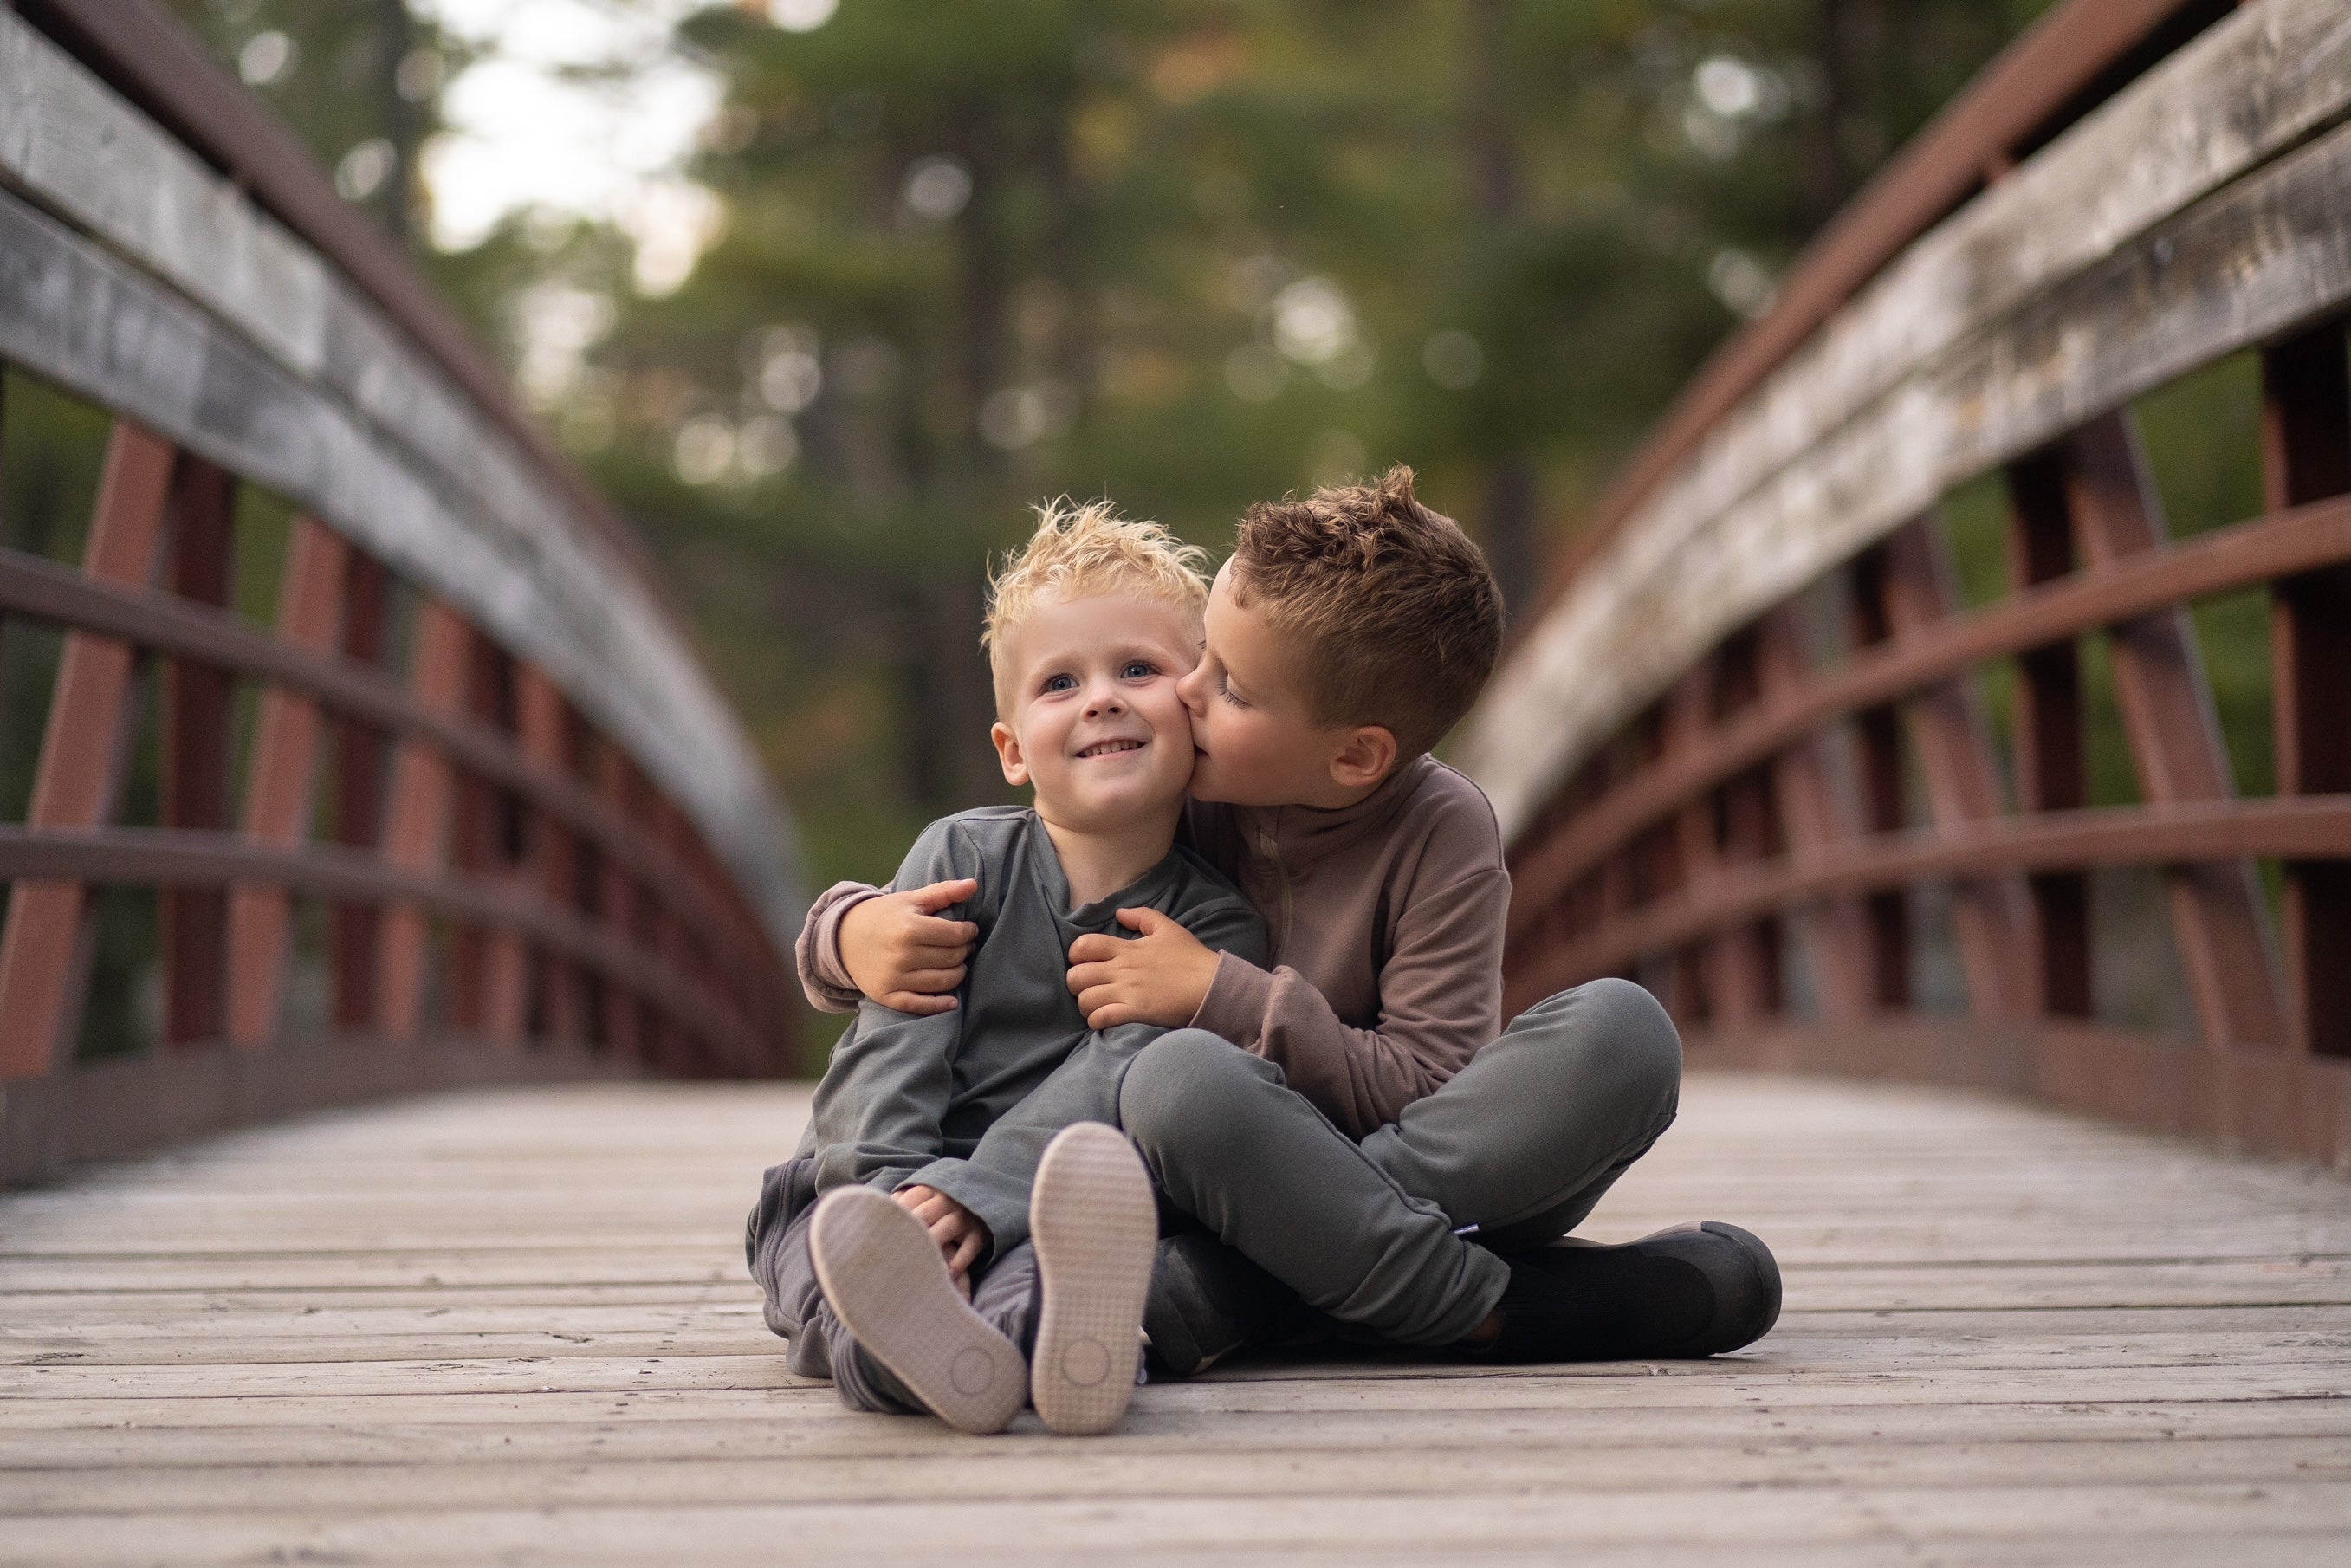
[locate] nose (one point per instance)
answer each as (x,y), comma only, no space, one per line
(1102,698)
(1190,685)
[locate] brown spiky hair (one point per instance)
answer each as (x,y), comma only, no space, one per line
(1080,552)
(1393,615)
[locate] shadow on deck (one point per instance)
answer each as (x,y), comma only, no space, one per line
(515,1326)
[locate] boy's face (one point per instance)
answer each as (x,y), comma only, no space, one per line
(1092,718)
(1258,742)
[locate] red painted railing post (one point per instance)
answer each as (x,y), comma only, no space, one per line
(417,818)
(1816,822)
(2218,913)
(2306,456)
(193,921)
(44,954)
(1693,991)
(1953,739)
(1878,733)
(361,753)
(489,993)
(628,1018)
(544,722)
(277,794)
(1747,958)
(2053,771)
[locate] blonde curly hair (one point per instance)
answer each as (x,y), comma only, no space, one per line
(1080,552)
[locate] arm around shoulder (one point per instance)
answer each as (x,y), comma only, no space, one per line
(1230,926)
(816,954)
(907,950)
(1440,981)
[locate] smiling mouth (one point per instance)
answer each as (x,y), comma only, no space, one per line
(1111,748)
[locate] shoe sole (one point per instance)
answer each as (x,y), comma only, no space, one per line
(1096,1229)
(887,1283)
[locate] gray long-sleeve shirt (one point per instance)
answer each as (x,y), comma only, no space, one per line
(1386,922)
(964,1100)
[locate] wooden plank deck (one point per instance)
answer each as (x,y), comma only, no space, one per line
(515,1327)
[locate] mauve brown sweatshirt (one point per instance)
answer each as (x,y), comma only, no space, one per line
(1385,920)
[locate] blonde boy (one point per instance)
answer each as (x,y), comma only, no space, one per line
(963,1146)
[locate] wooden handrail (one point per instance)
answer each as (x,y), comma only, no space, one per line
(2020,98)
(39,590)
(149,57)
(2244,556)
(164,857)
(2311,827)
(2124,254)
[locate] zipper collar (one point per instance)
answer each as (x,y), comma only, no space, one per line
(1292,838)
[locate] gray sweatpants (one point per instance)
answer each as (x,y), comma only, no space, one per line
(821,1345)
(1401,1233)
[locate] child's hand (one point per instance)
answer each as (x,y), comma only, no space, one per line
(962,1234)
(901,953)
(1161,977)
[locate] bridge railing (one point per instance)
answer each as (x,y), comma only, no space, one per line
(1747,746)
(476,734)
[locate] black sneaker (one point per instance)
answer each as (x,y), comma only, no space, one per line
(1207,1301)
(1694,1290)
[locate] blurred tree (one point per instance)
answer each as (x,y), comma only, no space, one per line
(1188,254)
(359,81)
(1184,252)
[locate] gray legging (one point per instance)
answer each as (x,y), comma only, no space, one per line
(1514,1151)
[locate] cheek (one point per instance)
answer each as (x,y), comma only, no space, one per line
(1049,726)
(1241,733)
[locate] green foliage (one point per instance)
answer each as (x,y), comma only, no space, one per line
(356,79)
(1110,285)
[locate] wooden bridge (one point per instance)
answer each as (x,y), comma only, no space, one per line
(489,826)
(513,1326)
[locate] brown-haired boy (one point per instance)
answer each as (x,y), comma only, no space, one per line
(1377,1144)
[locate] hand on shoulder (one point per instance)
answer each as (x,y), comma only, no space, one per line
(1159,976)
(903,953)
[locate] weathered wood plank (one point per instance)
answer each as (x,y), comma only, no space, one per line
(789,1427)
(1013,1529)
(245,1356)
(73,144)
(1033,1471)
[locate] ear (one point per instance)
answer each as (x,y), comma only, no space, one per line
(1367,757)
(1008,753)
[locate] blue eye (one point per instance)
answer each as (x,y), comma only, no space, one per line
(1060,683)
(1136,670)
